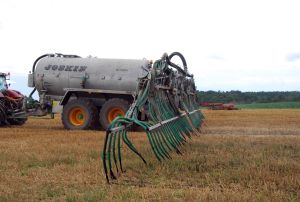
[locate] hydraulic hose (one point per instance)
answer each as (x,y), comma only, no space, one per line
(168,60)
(30,95)
(181,57)
(42,56)
(52,55)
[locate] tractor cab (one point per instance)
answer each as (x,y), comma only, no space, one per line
(3,83)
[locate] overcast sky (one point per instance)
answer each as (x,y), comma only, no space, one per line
(229,45)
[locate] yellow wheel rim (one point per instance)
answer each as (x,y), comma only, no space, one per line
(77,116)
(113,113)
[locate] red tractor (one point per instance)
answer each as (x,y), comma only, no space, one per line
(11,104)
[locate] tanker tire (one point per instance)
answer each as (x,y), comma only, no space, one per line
(108,105)
(89,109)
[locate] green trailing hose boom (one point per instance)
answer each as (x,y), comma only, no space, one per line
(167,98)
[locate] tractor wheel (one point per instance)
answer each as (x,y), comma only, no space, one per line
(3,115)
(111,109)
(17,121)
(79,114)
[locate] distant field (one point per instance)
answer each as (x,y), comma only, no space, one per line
(274,105)
(242,155)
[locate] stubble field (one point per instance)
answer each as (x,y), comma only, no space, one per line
(243,155)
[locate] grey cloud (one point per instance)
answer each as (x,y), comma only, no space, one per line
(291,57)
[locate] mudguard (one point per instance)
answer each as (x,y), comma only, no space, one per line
(13,94)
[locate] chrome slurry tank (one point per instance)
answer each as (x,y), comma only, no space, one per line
(52,73)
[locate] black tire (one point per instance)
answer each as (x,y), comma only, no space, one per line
(3,115)
(110,105)
(18,121)
(88,115)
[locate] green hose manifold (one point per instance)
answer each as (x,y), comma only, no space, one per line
(167,97)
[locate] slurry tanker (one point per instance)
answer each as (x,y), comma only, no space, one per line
(92,91)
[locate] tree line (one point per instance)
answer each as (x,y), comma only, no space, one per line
(248,97)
